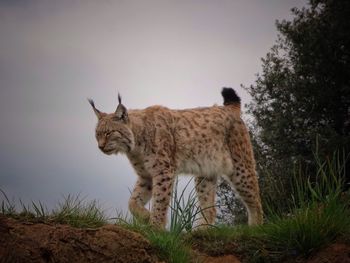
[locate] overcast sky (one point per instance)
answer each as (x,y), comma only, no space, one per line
(55,54)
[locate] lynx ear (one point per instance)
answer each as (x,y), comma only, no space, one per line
(97,112)
(121,112)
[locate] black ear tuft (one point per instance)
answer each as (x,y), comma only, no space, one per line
(97,112)
(230,96)
(91,103)
(119,98)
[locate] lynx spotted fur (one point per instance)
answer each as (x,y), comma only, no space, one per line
(162,143)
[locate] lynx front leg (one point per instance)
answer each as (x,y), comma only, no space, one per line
(163,177)
(140,196)
(162,189)
(206,189)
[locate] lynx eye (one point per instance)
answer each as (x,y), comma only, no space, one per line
(108,133)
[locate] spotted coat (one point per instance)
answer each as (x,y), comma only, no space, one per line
(161,143)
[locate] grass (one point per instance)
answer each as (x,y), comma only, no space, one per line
(169,245)
(184,212)
(77,212)
(73,210)
(7,206)
(296,236)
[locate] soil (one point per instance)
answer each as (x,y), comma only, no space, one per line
(41,242)
(23,241)
(335,253)
(220,259)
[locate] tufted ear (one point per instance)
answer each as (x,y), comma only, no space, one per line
(121,112)
(97,112)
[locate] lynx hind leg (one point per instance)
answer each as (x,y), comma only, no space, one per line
(140,196)
(206,191)
(245,183)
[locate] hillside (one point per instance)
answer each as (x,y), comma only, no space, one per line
(29,241)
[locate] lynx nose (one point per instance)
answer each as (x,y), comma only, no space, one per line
(101,145)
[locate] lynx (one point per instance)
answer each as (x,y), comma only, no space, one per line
(161,143)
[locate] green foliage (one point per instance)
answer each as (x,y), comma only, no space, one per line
(308,229)
(170,246)
(318,213)
(184,211)
(74,211)
(327,182)
(304,91)
(304,88)
(7,206)
(33,211)
(77,212)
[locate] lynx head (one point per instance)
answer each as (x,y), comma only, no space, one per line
(113,133)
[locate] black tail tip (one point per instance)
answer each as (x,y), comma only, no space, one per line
(230,96)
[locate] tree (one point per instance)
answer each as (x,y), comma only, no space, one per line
(302,96)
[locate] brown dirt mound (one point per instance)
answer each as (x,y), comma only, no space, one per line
(335,253)
(222,259)
(22,241)
(40,242)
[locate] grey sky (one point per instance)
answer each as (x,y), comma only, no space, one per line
(55,54)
